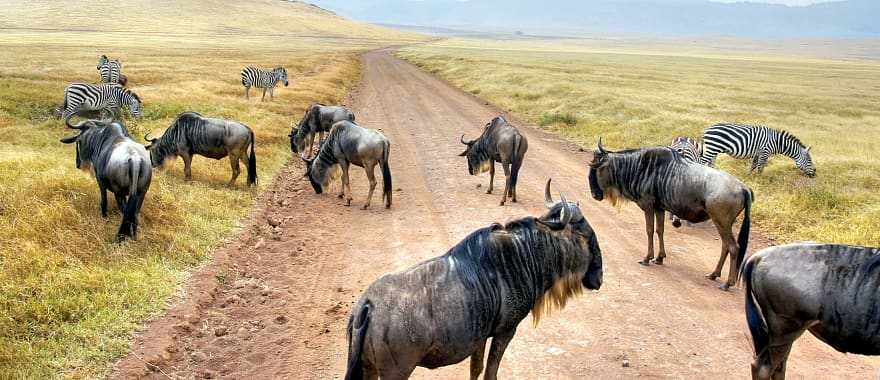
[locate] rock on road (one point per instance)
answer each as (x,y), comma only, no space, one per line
(274,301)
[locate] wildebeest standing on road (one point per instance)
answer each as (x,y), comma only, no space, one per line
(658,180)
(317,119)
(831,290)
(444,310)
(120,165)
(499,142)
(193,134)
(349,144)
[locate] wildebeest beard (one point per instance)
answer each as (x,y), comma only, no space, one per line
(519,253)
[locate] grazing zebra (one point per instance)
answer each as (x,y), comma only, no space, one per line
(757,143)
(80,97)
(111,71)
(689,149)
(267,80)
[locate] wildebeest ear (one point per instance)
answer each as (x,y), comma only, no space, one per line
(69,140)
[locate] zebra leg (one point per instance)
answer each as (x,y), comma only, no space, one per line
(491,177)
(247,92)
(649,229)
(368,167)
(263,99)
(761,163)
(658,220)
(233,162)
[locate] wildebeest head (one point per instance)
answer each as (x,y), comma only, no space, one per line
(310,173)
(281,73)
(600,175)
(309,123)
(804,162)
(89,139)
(156,159)
(478,160)
(565,217)
(101,61)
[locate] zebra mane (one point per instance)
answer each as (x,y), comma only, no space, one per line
(787,135)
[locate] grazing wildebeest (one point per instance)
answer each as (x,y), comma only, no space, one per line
(757,143)
(658,180)
(120,165)
(445,309)
(192,133)
(831,290)
(500,142)
(317,119)
(690,150)
(349,144)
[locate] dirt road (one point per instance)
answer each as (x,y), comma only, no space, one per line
(274,302)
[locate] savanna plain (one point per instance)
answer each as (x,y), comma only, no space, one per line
(633,92)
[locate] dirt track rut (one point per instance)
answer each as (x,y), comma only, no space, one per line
(274,301)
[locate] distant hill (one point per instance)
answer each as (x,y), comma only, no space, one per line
(849,18)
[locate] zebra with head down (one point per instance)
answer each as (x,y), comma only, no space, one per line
(757,143)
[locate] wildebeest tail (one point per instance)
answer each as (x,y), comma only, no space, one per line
(252,163)
(128,228)
(517,161)
(754,316)
(386,176)
(743,239)
(357,332)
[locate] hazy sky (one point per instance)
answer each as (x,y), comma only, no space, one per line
(786,2)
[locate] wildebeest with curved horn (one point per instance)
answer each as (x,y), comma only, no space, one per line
(831,290)
(120,165)
(499,142)
(318,119)
(659,180)
(192,133)
(445,309)
(349,144)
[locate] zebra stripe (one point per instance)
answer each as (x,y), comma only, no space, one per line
(686,147)
(111,72)
(267,80)
(754,142)
(90,97)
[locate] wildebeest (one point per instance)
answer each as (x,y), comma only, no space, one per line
(317,119)
(689,149)
(193,134)
(831,290)
(349,144)
(499,142)
(658,180)
(445,309)
(120,165)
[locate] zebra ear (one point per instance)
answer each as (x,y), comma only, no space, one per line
(808,149)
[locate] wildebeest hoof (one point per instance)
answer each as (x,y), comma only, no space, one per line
(676,223)
(712,276)
(658,261)
(365,207)
(725,287)
(645,262)
(340,196)
(489,191)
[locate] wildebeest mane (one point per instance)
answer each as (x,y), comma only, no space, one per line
(628,167)
(100,138)
(526,256)
(166,145)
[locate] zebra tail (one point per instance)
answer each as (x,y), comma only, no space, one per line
(252,163)
(754,317)
(386,176)
(357,333)
(128,228)
(743,239)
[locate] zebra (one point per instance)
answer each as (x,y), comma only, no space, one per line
(755,142)
(267,80)
(689,149)
(80,97)
(111,71)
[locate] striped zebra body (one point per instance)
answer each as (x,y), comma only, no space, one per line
(754,142)
(110,71)
(687,148)
(80,97)
(267,80)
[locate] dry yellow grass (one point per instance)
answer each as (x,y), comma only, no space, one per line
(635,94)
(69,296)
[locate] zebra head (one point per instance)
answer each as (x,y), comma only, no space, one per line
(102,61)
(134,103)
(804,162)
(281,74)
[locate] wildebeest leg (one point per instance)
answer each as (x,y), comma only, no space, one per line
(491,177)
(506,167)
(771,362)
(660,222)
(368,167)
(496,351)
(120,201)
(346,182)
(477,360)
(728,247)
(311,145)
(103,200)
(233,162)
(187,165)
(649,229)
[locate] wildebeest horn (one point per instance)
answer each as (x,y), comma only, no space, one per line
(601,149)
(548,199)
(565,214)
(462,140)
(79,126)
